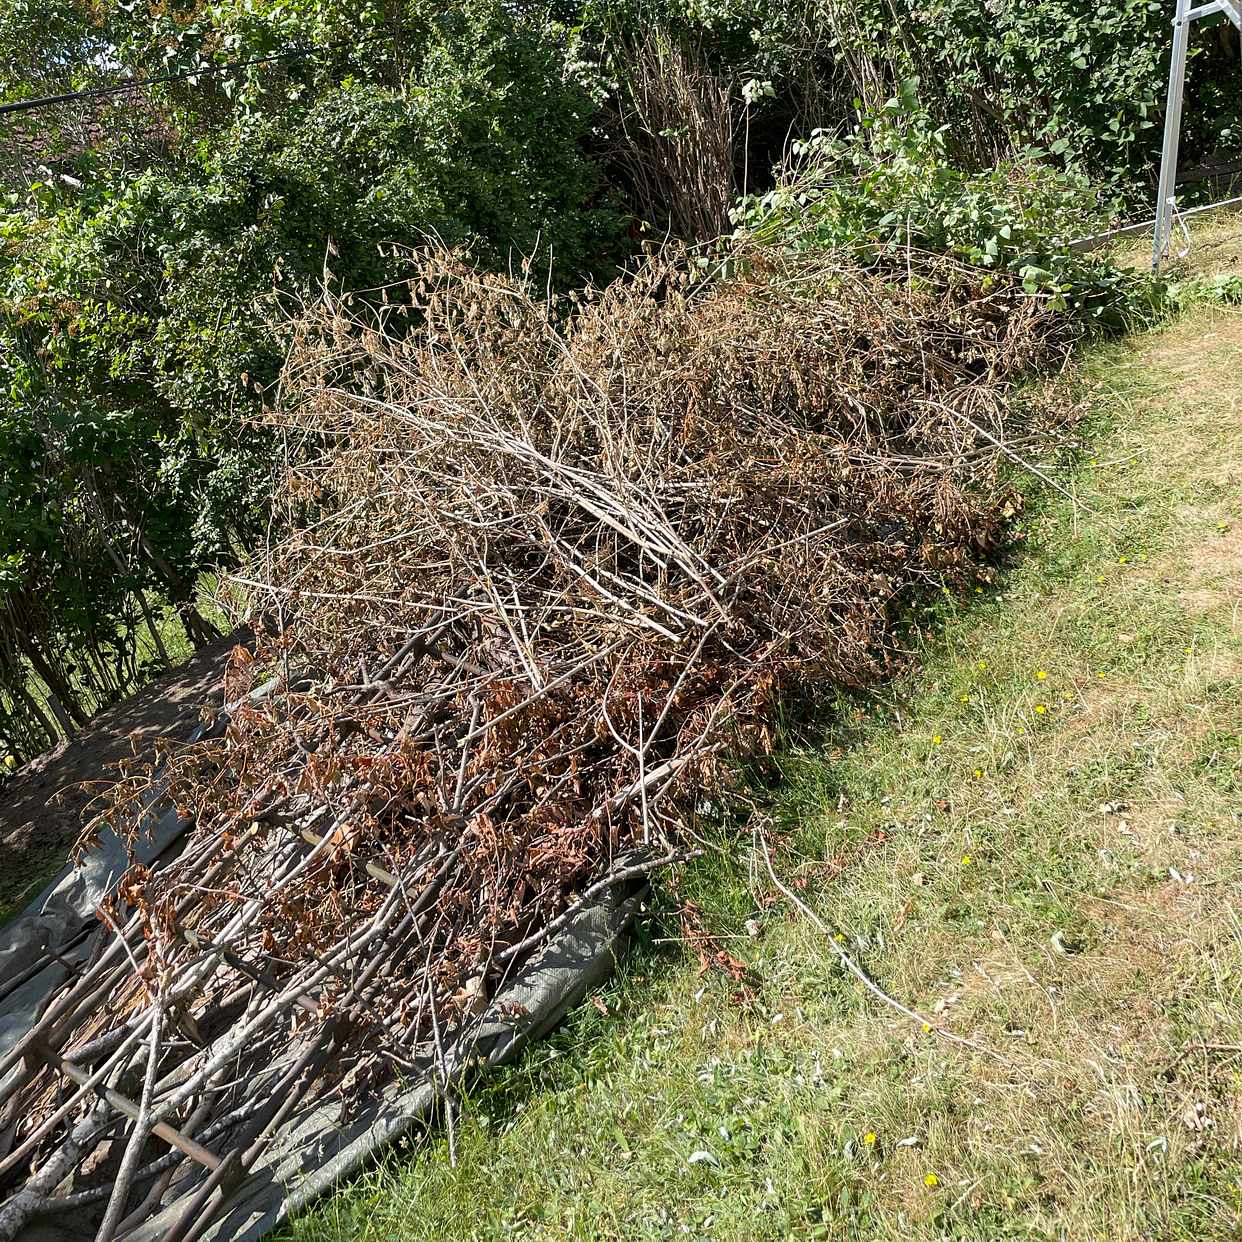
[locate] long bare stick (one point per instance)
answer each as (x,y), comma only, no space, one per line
(142,1129)
(857,971)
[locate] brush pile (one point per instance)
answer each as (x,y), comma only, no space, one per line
(554,567)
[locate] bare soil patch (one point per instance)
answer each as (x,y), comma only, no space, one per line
(41,807)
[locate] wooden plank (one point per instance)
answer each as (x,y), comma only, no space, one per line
(122,1104)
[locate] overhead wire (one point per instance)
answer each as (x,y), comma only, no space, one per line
(117,88)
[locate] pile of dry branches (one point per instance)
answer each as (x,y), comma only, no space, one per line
(554,566)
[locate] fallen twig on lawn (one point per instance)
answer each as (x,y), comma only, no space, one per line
(846,960)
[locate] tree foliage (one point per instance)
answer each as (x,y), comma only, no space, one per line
(1083,82)
(140,313)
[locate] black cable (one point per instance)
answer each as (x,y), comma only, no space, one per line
(118,88)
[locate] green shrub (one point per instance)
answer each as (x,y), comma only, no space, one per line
(889,183)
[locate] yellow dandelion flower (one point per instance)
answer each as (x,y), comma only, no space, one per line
(965,698)
(937,740)
(1188,650)
(965,860)
(1123,560)
(1040,709)
(927,1028)
(1020,729)
(931,1180)
(983,664)
(869,1138)
(1042,674)
(840,939)
(978,774)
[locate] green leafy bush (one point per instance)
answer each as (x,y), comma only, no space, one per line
(889,183)
(1083,82)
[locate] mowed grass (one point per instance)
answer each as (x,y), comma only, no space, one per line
(1035,840)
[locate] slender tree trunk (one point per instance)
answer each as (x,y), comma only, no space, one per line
(103,674)
(61,697)
(88,672)
(31,704)
(57,708)
(198,629)
(140,596)
(130,662)
(126,661)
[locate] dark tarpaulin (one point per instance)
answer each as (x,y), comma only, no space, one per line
(324,1141)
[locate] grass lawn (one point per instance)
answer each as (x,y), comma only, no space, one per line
(1036,841)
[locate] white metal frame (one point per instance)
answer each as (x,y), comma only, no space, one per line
(1166,199)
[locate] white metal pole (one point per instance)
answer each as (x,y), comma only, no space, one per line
(1172,136)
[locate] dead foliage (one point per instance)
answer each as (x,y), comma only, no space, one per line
(554,566)
(678,128)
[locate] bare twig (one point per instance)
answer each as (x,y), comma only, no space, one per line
(861,975)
